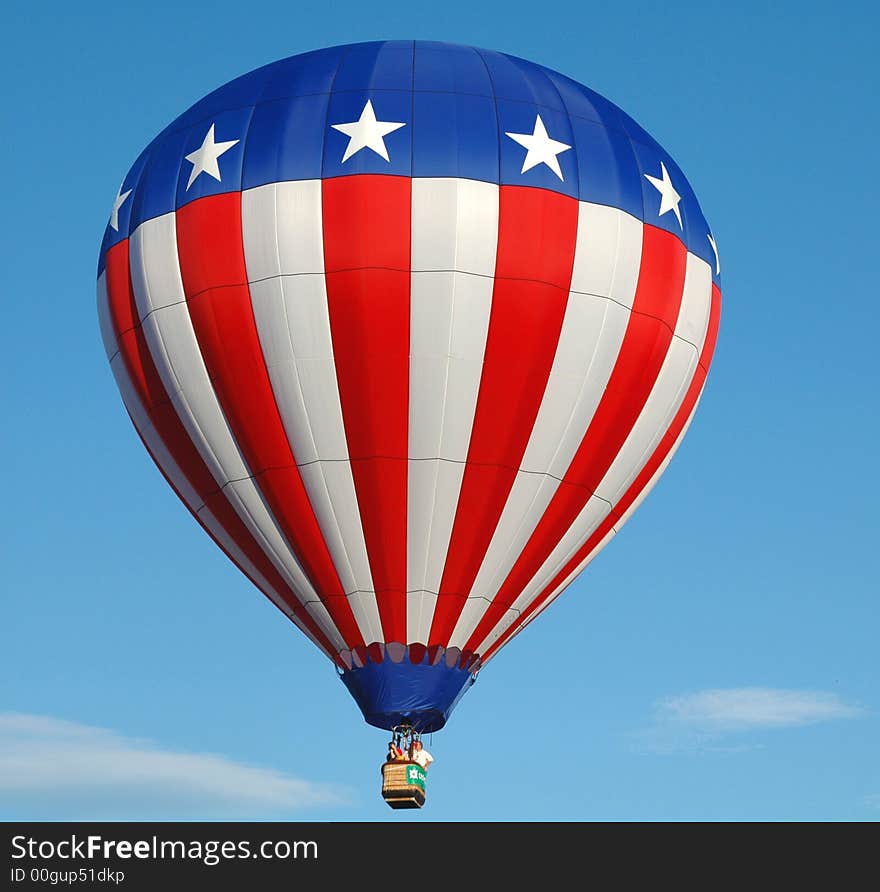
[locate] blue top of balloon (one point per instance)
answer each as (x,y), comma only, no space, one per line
(461,110)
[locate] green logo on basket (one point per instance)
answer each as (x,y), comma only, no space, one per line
(415,776)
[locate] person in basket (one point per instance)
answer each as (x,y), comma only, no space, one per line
(421,755)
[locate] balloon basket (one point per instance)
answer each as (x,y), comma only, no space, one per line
(403,784)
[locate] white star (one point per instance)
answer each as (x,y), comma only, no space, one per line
(541,149)
(715,252)
(669,198)
(204,158)
(117,204)
(367,133)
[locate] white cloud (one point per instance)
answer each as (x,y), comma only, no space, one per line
(699,722)
(60,769)
(743,708)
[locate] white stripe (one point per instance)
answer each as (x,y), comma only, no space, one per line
(599,547)
(178,479)
(658,413)
(282,229)
(589,343)
(454,239)
(609,253)
(168,329)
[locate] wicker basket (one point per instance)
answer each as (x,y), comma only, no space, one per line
(403,784)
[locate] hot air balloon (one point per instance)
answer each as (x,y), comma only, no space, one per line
(411,329)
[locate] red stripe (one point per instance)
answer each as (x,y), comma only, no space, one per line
(214,275)
(367,263)
(645,344)
(657,458)
(156,403)
(537,233)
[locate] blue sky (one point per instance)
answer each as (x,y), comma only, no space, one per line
(718,660)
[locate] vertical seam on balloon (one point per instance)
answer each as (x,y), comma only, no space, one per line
(412,126)
(640,173)
(136,189)
(573,147)
(482,58)
(274,184)
(443,416)
(422,582)
(342,57)
(639,177)
(319,463)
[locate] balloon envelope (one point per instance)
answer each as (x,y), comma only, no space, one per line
(411,328)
